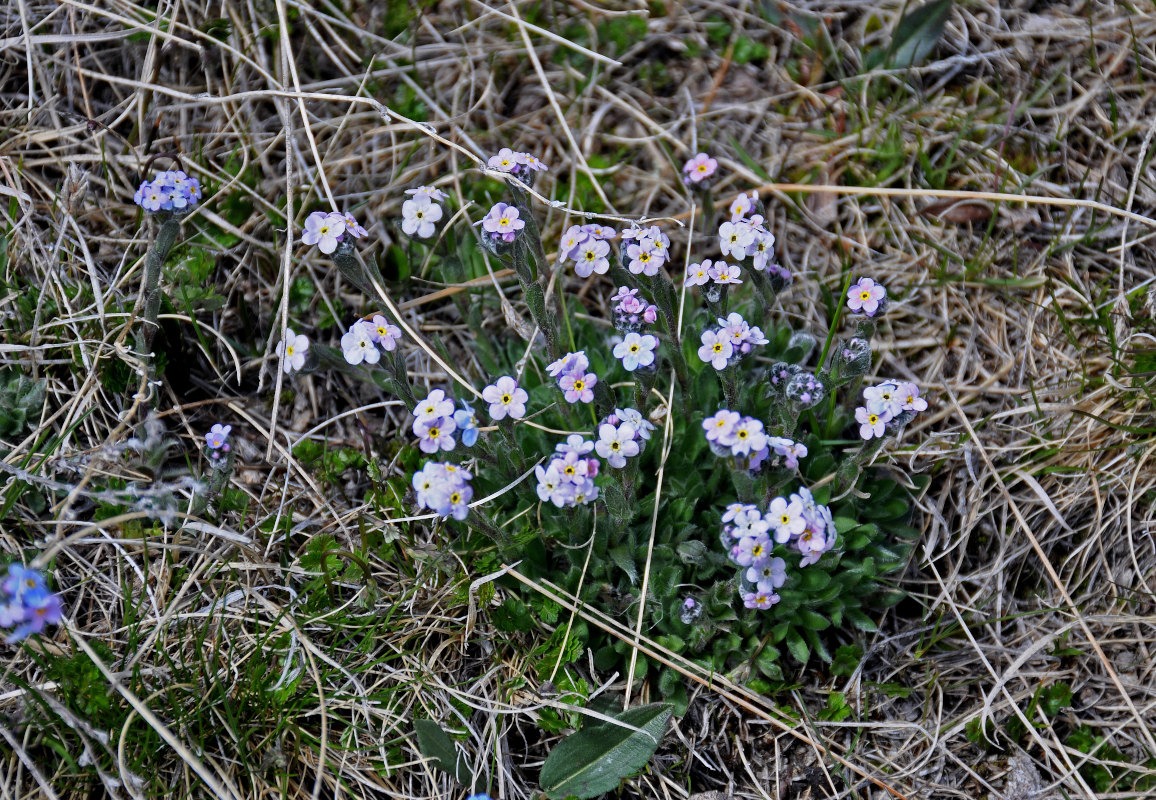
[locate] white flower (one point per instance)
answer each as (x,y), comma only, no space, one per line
(735,238)
(633,416)
(636,351)
(616,444)
(292,349)
(323,230)
(357,345)
(436,195)
(419,215)
(786,518)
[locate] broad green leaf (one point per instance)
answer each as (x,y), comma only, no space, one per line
(436,744)
(596,759)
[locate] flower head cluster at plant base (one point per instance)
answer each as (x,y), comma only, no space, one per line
(588,246)
(745,439)
(168,191)
(26,604)
(437,420)
(728,343)
(574,379)
(568,479)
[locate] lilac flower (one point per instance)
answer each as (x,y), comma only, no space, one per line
(746,437)
(698,274)
(570,363)
(871,425)
(505,398)
(762,250)
(324,230)
(909,399)
(722,273)
(720,426)
(216,438)
(502,222)
(578,388)
(384,333)
(592,257)
(760,600)
(616,444)
(357,345)
(506,160)
(599,231)
(292,349)
(435,406)
(689,611)
(353,227)
(742,205)
(575,444)
(818,537)
(435,195)
(574,236)
(735,238)
(419,216)
(699,168)
(636,351)
(435,434)
(466,421)
(804,390)
(25,602)
(659,241)
(642,426)
(566,481)
(572,468)
(770,575)
(549,484)
(788,450)
(716,349)
(531,163)
(643,258)
(866,296)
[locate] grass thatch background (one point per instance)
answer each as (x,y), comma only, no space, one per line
(1030,325)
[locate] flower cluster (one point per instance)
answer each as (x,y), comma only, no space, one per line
(630,311)
(26,603)
(621,436)
(867,297)
(168,191)
(733,339)
(444,488)
(327,230)
(588,247)
(885,404)
(218,437)
(506,399)
(644,250)
(717,273)
(698,169)
(568,480)
(731,434)
(750,536)
(515,163)
(436,420)
(292,349)
(420,214)
(359,344)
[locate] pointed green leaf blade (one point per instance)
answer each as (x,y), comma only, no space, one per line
(436,744)
(596,759)
(916,34)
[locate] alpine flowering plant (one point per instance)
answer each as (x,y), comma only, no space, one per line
(654,413)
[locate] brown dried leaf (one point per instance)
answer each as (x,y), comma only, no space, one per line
(958,211)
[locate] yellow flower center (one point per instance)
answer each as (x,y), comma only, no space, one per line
(504,221)
(634,348)
(864,295)
(718,347)
(579,385)
(506,399)
(433,433)
(289,350)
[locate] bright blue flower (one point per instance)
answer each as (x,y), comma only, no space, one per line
(467,422)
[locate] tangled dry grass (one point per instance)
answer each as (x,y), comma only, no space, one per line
(1031,325)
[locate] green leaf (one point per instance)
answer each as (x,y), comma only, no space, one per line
(797,646)
(436,744)
(622,556)
(860,620)
(916,34)
(597,758)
